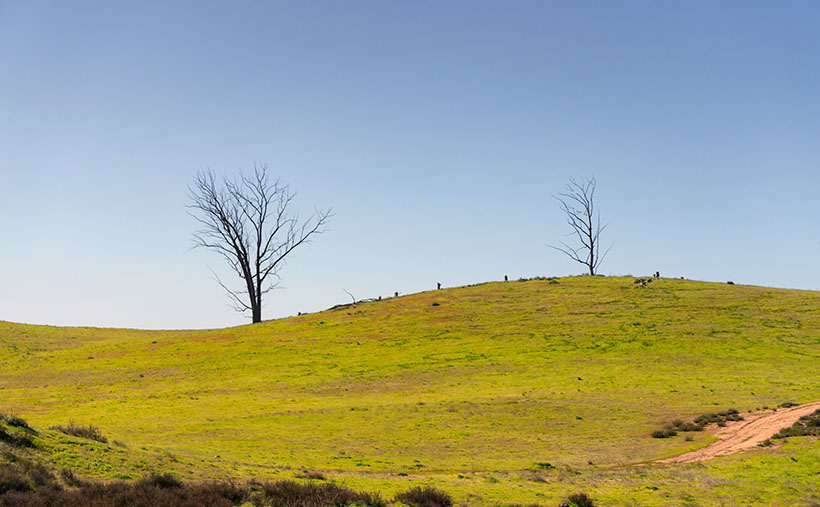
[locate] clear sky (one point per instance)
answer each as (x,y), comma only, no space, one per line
(437,131)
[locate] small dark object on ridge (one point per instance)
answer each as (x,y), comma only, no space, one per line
(730,282)
(505,278)
(438,286)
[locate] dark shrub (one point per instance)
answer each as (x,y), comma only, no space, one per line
(90,432)
(13,420)
(679,425)
(578,500)
(719,418)
(667,432)
(808,425)
(307,474)
(15,440)
(24,475)
(70,478)
(162,481)
(225,489)
(11,479)
(294,494)
(425,497)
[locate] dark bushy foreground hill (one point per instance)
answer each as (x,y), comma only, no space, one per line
(30,478)
(165,490)
(31,485)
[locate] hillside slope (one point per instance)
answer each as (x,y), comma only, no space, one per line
(492,378)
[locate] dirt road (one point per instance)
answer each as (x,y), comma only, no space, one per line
(739,436)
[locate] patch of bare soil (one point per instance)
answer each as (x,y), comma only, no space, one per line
(739,436)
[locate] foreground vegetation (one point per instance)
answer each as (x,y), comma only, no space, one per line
(517,392)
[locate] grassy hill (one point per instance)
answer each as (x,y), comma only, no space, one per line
(499,392)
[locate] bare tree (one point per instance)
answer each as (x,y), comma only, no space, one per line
(248,221)
(578,204)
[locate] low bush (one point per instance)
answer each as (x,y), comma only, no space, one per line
(23,475)
(684,426)
(12,480)
(13,420)
(808,425)
(162,481)
(70,478)
(667,432)
(90,432)
(307,474)
(719,418)
(15,439)
(578,500)
(291,493)
(425,497)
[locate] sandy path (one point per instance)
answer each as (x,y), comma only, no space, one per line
(739,436)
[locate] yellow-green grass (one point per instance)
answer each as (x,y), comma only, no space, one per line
(490,381)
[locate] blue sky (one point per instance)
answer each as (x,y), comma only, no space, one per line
(438,132)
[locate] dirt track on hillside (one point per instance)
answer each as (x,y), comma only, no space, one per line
(739,436)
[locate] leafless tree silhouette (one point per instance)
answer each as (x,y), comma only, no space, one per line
(578,204)
(248,221)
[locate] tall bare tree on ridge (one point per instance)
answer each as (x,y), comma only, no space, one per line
(578,205)
(248,221)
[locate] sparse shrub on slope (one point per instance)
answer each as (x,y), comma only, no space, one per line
(15,438)
(425,497)
(294,494)
(162,481)
(12,479)
(578,500)
(18,422)
(808,425)
(90,432)
(667,432)
(23,475)
(719,418)
(308,474)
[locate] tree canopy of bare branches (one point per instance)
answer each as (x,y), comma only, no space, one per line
(578,205)
(249,222)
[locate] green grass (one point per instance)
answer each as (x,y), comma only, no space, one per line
(467,396)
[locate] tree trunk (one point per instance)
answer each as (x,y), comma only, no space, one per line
(257,314)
